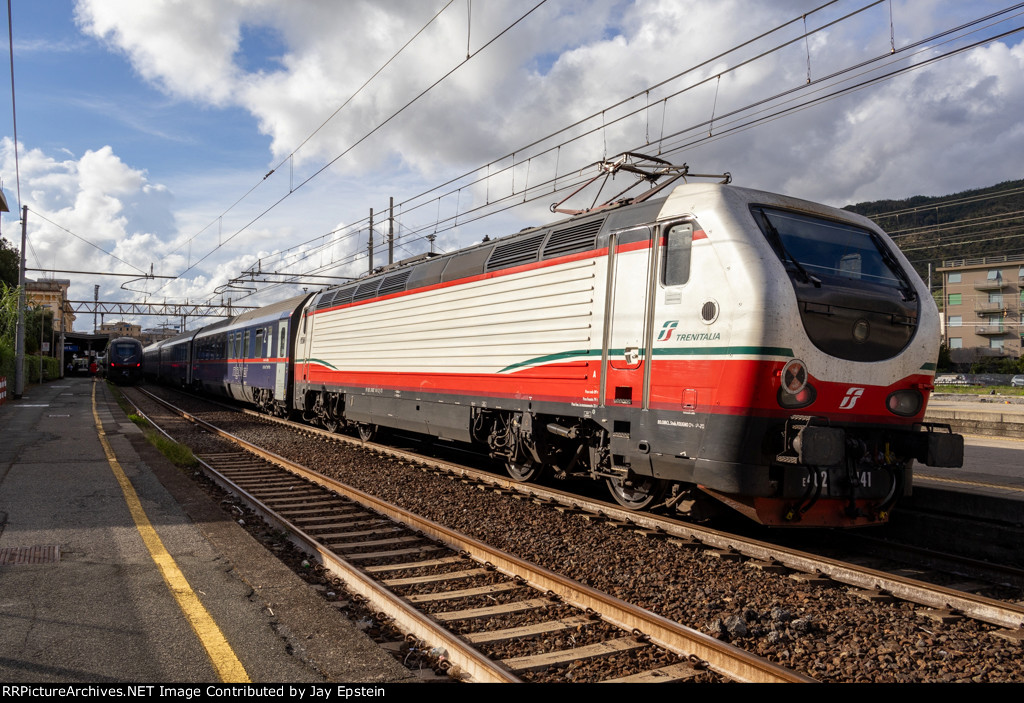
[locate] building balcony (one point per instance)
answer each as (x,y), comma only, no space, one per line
(988,352)
(991,330)
(996,284)
(986,308)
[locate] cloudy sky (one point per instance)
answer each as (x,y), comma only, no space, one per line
(146,130)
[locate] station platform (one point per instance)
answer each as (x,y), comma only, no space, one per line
(993,429)
(84,584)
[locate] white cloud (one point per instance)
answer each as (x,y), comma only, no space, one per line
(290,65)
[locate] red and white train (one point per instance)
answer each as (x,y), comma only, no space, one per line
(771,353)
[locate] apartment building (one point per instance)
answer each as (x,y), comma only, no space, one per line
(52,294)
(120,329)
(984,307)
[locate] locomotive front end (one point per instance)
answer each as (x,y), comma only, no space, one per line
(841,420)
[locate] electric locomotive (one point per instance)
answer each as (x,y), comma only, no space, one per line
(769,352)
(123,360)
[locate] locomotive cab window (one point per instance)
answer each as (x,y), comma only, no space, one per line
(678,245)
(814,249)
(856,300)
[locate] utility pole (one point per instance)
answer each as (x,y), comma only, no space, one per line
(391,231)
(370,245)
(19,339)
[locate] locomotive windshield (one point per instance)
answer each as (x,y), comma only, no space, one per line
(856,301)
(124,351)
(816,249)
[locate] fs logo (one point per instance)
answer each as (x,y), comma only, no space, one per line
(850,399)
(667,329)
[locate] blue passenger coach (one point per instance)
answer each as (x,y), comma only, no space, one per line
(169,360)
(247,357)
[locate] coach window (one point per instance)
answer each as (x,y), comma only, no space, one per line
(678,243)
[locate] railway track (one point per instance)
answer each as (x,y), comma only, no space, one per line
(862,585)
(413,570)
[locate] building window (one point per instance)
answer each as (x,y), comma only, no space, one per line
(956,343)
(995,298)
(994,275)
(956,321)
(955,298)
(956,277)
(995,344)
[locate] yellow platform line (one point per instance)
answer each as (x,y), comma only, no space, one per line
(222,656)
(964,482)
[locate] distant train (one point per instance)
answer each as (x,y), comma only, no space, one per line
(122,360)
(774,354)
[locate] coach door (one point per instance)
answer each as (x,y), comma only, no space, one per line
(627,317)
(281,362)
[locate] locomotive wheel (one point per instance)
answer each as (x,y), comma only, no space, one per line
(642,491)
(330,424)
(367,433)
(523,470)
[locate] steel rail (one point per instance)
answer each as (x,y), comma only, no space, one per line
(980,608)
(471,665)
(730,661)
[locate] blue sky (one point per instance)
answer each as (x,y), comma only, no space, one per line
(142,124)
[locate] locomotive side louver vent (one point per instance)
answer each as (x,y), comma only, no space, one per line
(516,252)
(572,239)
(327,299)
(344,295)
(394,283)
(366,290)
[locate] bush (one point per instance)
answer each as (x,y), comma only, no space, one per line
(7,363)
(51,369)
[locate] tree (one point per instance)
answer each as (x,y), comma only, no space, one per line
(34,319)
(10,262)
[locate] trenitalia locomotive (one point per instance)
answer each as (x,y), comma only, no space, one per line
(122,360)
(772,353)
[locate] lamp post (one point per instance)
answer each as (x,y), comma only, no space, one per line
(40,311)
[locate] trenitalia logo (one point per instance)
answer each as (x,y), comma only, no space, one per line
(851,397)
(667,329)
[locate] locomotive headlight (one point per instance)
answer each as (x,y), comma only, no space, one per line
(905,403)
(861,330)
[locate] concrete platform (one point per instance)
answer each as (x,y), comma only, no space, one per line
(94,607)
(992,415)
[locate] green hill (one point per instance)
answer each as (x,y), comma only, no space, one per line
(967,225)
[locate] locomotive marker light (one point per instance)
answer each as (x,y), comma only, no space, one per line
(794,376)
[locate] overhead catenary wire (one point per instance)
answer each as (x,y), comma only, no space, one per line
(370,133)
(408,207)
(526,195)
(323,124)
(14,109)
(746,43)
(844,90)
